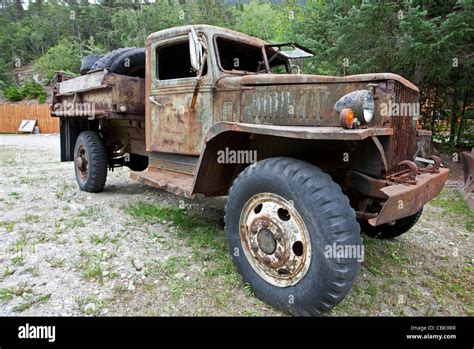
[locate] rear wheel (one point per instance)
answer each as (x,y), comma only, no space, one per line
(90,162)
(391,230)
(283,218)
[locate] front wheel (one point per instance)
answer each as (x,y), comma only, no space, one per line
(391,230)
(293,235)
(90,162)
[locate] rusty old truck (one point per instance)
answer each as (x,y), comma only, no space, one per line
(306,161)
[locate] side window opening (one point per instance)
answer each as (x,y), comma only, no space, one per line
(278,64)
(174,62)
(239,56)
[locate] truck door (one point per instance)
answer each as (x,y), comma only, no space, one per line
(172,127)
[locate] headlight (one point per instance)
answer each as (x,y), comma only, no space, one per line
(368,107)
(361,102)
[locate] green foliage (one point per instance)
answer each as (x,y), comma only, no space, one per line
(260,20)
(5,77)
(13,93)
(428,42)
(29,90)
(65,56)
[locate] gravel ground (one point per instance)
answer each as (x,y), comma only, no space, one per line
(66,252)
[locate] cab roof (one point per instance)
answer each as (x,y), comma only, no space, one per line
(209,30)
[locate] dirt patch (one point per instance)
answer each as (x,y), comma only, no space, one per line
(131,250)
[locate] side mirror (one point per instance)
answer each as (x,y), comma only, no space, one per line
(195,50)
(198,54)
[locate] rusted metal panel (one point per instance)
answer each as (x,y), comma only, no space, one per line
(277,79)
(402,144)
(174,182)
(175,127)
(82,83)
(100,95)
(209,29)
(301,132)
(308,100)
(172,162)
(365,185)
(405,200)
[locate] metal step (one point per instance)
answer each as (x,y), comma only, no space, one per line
(172,162)
(171,181)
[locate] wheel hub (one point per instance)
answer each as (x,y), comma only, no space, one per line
(82,163)
(266,241)
(275,239)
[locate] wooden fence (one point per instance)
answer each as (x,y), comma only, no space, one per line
(12,114)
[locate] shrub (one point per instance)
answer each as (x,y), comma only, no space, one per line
(13,93)
(29,89)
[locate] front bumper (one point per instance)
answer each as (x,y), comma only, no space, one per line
(405,200)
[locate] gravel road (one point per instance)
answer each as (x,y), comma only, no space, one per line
(66,252)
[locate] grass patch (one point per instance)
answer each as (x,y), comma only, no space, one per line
(455,207)
(63,225)
(8,293)
(8,225)
(88,212)
(56,262)
(94,311)
(205,237)
(8,272)
(32,218)
(210,262)
(33,271)
(97,239)
(61,190)
(170,267)
(18,260)
(30,302)
(90,264)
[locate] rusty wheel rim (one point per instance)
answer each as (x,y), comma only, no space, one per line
(275,239)
(82,163)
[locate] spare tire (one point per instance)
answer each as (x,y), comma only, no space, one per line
(104,62)
(88,61)
(128,61)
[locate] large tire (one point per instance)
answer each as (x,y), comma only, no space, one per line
(88,62)
(104,62)
(390,231)
(128,61)
(295,195)
(90,158)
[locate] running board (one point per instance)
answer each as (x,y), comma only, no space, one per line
(173,182)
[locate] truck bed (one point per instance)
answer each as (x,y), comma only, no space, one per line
(100,94)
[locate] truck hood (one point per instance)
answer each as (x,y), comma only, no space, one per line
(291,79)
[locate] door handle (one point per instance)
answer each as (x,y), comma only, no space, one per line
(154,101)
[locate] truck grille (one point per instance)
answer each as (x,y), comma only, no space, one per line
(402,143)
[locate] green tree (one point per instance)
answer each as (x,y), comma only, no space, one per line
(65,56)
(259,19)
